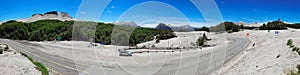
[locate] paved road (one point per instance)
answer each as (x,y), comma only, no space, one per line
(208,63)
(61,65)
(191,64)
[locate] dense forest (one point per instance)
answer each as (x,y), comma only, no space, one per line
(275,25)
(278,25)
(204,28)
(296,25)
(82,31)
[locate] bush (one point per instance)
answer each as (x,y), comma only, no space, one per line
(1,51)
(297,73)
(295,49)
(6,47)
(157,41)
(278,56)
(200,41)
(290,43)
(39,65)
(298,67)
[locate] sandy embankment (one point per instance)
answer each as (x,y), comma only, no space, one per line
(108,54)
(262,58)
(12,63)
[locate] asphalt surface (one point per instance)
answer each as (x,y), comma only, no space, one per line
(188,64)
(56,63)
(196,64)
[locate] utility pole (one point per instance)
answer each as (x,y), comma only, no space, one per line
(169,43)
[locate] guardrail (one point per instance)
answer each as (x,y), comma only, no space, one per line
(135,50)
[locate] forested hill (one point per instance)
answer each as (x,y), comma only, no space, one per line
(49,30)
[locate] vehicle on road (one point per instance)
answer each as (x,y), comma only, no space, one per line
(124,53)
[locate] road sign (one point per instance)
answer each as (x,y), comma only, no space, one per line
(102,43)
(276,32)
(247,34)
(58,38)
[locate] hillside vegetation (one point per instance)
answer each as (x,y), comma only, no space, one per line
(278,25)
(274,25)
(50,29)
(225,26)
(296,25)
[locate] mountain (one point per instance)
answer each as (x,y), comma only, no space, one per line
(183,28)
(53,15)
(124,23)
(162,26)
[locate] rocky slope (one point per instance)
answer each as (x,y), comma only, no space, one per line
(124,23)
(13,63)
(163,26)
(63,16)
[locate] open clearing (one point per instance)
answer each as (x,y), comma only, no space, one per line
(12,63)
(73,57)
(262,58)
(235,50)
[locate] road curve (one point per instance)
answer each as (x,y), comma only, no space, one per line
(187,64)
(61,65)
(205,64)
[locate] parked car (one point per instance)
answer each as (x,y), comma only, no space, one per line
(124,53)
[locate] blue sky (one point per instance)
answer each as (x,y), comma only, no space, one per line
(148,13)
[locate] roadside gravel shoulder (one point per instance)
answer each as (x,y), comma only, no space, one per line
(13,63)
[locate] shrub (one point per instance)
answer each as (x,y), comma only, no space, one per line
(298,67)
(200,41)
(278,56)
(289,42)
(6,47)
(157,41)
(1,51)
(39,65)
(295,49)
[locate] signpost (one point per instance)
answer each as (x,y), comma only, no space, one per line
(248,34)
(276,32)
(102,43)
(58,38)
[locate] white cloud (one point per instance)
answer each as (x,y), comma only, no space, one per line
(83,12)
(112,7)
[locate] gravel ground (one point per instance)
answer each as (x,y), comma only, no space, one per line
(262,58)
(107,55)
(16,64)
